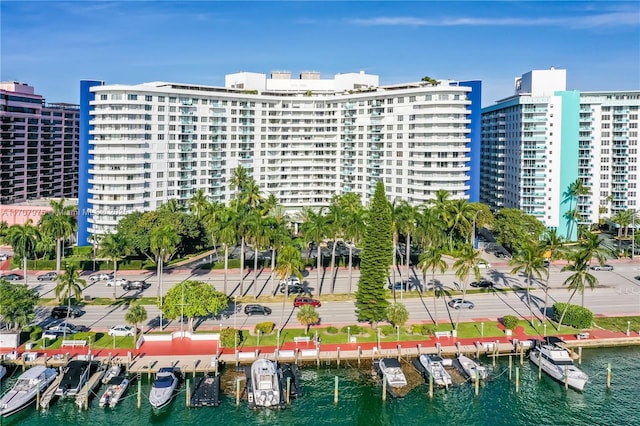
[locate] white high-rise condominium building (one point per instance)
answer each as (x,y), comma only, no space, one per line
(539,141)
(303,140)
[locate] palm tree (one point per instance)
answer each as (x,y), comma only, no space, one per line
(199,203)
(396,224)
(164,241)
(278,236)
(259,238)
(460,216)
(289,263)
(579,265)
(134,316)
(431,230)
(529,260)
(60,224)
(173,206)
(335,216)
(23,239)
(408,227)
(114,247)
(354,229)
(576,189)
(467,261)
(239,179)
(315,230)
(432,259)
(307,315)
(553,247)
(69,284)
(594,246)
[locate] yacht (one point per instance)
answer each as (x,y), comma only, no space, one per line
(392,372)
(34,380)
(116,387)
(163,387)
(557,363)
(112,372)
(469,368)
(76,374)
(434,367)
(265,384)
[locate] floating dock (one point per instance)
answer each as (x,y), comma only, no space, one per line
(82,399)
(206,391)
(50,393)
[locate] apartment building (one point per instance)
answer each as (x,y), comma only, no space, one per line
(303,140)
(543,138)
(39,146)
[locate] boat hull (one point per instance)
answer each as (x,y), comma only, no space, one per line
(574,379)
(16,400)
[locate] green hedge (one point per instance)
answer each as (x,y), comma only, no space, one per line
(233,264)
(332,330)
(35,333)
(510,322)
(228,337)
(353,329)
(388,330)
(265,327)
(423,329)
(576,316)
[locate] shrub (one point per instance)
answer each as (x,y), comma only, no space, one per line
(35,333)
(510,322)
(576,316)
(265,327)
(388,330)
(332,330)
(423,329)
(228,337)
(355,329)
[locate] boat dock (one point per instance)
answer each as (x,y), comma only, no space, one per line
(82,399)
(48,394)
(206,391)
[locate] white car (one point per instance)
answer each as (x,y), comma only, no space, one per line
(121,330)
(3,256)
(101,276)
(118,283)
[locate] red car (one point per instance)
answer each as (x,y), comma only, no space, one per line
(299,301)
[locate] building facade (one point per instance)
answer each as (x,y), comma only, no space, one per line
(539,141)
(39,146)
(303,140)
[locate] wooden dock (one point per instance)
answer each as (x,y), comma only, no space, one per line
(48,394)
(82,399)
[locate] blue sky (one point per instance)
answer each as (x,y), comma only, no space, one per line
(52,45)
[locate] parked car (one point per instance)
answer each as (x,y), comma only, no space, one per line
(68,328)
(121,330)
(257,310)
(546,263)
(136,285)
(49,276)
(3,257)
(101,276)
(637,277)
(301,301)
(120,282)
(602,267)
(52,334)
(292,280)
(12,277)
(61,312)
(399,286)
(293,289)
(482,284)
(460,303)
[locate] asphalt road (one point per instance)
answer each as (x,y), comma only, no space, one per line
(617,294)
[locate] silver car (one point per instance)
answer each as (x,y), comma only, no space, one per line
(460,303)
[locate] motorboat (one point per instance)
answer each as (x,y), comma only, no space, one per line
(3,372)
(392,372)
(112,372)
(265,384)
(75,375)
(163,387)
(32,381)
(557,363)
(434,367)
(116,387)
(470,368)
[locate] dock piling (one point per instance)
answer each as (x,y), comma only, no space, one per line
(609,376)
(139,393)
(338,353)
(566,377)
(477,382)
(237,391)
(187,396)
(359,354)
(510,366)
(288,394)
(430,386)
(517,379)
(579,355)
(384,389)
(335,391)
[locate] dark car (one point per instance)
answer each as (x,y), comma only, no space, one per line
(12,277)
(257,310)
(399,286)
(482,284)
(602,268)
(546,263)
(136,285)
(61,312)
(293,289)
(301,301)
(49,276)
(637,277)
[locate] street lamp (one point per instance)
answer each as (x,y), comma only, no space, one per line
(473,230)
(235,331)
(348,334)
(481,329)
(378,339)
(397,333)
(545,329)
(628,328)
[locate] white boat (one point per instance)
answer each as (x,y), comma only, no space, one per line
(470,368)
(433,365)
(116,387)
(557,363)
(392,372)
(113,371)
(3,371)
(26,388)
(265,384)
(163,387)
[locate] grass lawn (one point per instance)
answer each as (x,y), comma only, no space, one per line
(97,341)
(618,323)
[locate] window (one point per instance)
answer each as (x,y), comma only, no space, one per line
(148,98)
(132,97)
